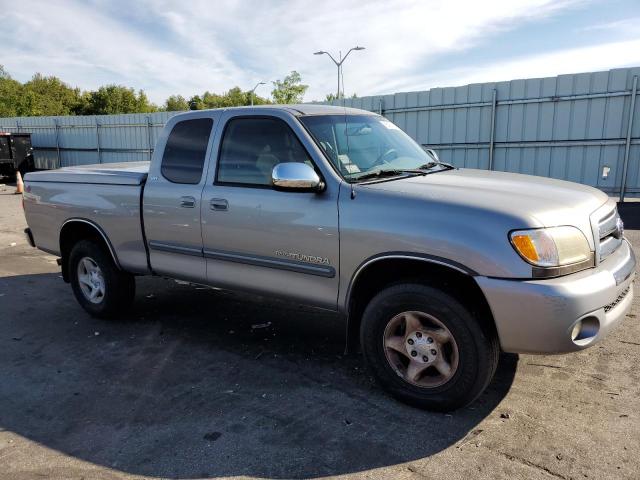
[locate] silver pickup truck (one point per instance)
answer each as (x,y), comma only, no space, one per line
(434,268)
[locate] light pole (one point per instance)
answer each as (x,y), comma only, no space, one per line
(339,63)
(253,91)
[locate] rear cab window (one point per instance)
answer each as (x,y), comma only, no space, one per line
(185,151)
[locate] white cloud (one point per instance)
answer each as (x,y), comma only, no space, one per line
(168,47)
(599,57)
(574,60)
(622,26)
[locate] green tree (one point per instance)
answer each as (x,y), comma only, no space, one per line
(12,99)
(330,97)
(39,96)
(111,99)
(144,105)
(11,95)
(196,103)
(234,97)
(257,99)
(290,89)
(51,96)
(176,103)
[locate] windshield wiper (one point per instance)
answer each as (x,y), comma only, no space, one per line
(394,172)
(387,173)
(430,165)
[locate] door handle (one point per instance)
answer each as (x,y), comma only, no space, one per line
(187,202)
(218,204)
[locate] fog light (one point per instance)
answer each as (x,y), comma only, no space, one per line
(585,330)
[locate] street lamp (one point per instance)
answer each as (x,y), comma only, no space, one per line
(253,91)
(338,63)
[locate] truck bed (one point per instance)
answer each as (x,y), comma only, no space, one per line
(107,196)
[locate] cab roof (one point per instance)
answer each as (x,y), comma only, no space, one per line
(305,109)
(319,109)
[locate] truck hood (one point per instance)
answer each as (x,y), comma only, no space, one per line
(534,201)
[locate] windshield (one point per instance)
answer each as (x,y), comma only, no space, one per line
(360,145)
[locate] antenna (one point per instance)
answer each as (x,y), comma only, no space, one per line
(342,75)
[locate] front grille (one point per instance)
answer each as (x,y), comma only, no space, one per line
(612,305)
(610,232)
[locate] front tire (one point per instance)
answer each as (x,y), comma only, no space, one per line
(425,348)
(100,287)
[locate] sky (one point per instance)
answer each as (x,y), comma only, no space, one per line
(167,47)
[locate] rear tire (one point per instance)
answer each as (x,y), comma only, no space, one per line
(426,349)
(100,287)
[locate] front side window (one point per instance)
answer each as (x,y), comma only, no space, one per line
(185,151)
(251,147)
(363,145)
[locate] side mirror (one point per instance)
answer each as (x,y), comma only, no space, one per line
(295,176)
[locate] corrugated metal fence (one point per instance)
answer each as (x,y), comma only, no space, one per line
(83,140)
(581,127)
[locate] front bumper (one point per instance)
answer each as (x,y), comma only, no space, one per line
(538,316)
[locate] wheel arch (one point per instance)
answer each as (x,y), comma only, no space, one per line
(384,270)
(75,229)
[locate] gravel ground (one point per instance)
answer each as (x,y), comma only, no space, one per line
(186,386)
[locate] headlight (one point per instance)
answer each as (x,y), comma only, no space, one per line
(553,247)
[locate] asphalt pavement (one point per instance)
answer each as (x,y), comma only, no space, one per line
(201,383)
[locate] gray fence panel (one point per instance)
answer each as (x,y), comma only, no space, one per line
(568,127)
(83,140)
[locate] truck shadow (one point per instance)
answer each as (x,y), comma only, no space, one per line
(201,383)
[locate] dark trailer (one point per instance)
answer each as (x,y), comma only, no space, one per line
(16,153)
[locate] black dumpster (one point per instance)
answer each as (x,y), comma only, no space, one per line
(16,153)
